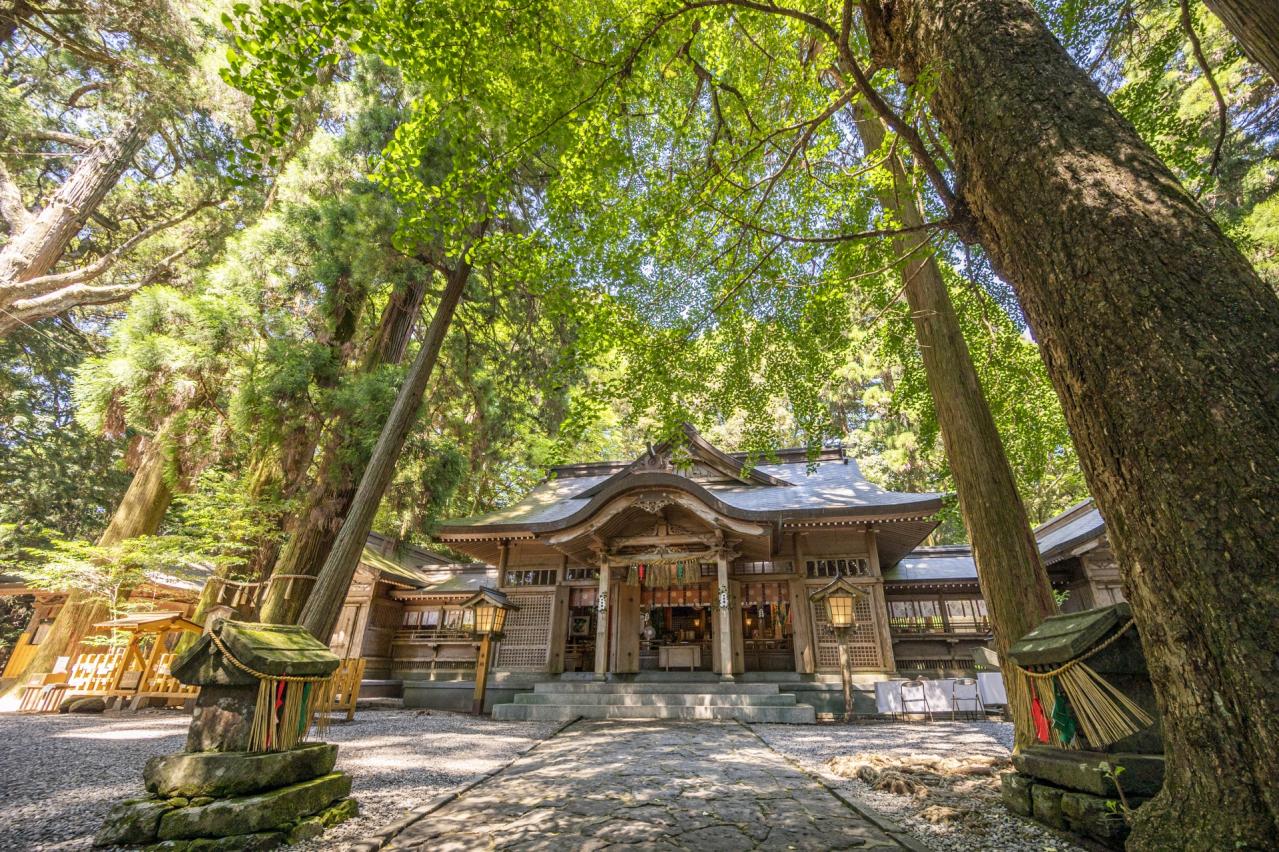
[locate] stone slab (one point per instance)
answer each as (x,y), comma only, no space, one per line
(798,714)
(1045,803)
(648,784)
(1014,789)
(1097,817)
(229,774)
(131,823)
(257,813)
(257,842)
(1085,771)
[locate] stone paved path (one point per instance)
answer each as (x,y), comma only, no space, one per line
(649,785)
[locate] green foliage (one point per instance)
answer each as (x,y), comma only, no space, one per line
(218,525)
(106,575)
(56,478)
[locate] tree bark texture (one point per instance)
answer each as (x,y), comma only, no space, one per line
(324,604)
(1013,580)
(140,512)
(33,250)
(1255,23)
(316,526)
(1163,345)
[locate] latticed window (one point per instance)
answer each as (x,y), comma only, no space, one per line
(783,567)
(531,577)
(863,645)
(845,566)
(526,637)
(581,573)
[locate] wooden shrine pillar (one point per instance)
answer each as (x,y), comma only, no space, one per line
(801,612)
(879,603)
(602,606)
(559,626)
(626,628)
(805,651)
(724,622)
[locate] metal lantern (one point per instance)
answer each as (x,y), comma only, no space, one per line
(839,597)
(490,608)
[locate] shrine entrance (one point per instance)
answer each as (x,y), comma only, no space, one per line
(675,632)
(768,627)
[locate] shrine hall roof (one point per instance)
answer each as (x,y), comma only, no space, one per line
(832,487)
(1057,537)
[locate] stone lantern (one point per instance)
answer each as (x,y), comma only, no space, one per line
(246,780)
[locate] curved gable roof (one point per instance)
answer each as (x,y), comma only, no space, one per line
(829,488)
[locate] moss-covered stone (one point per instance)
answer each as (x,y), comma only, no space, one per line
(314,826)
(201,800)
(229,774)
(339,812)
(89,704)
(1015,791)
(177,802)
(132,823)
(306,829)
(1090,772)
(1097,817)
(267,811)
(1045,803)
(256,842)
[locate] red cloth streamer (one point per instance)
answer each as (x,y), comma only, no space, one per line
(275,711)
(1037,714)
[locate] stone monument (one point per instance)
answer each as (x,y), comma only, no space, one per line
(246,781)
(1088,787)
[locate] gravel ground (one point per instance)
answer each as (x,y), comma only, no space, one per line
(995,827)
(59,775)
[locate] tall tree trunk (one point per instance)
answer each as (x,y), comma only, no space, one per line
(1163,344)
(140,512)
(33,250)
(297,451)
(316,525)
(324,604)
(1255,23)
(1013,581)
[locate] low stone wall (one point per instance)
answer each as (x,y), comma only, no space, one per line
(1076,790)
(449,692)
(455,695)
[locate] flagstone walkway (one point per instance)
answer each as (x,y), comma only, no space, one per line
(650,785)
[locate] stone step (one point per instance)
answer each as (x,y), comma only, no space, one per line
(640,688)
(799,714)
(663,699)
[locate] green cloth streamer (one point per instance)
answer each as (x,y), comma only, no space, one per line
(303,721)
(1063,720)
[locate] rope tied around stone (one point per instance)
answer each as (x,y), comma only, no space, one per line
(1077,660)
(261,675)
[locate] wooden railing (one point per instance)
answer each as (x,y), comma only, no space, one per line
(22,654)
(432,634)
(935,624)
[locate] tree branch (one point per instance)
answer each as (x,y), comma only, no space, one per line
(29,310)
(57,136)
(48,283)
(15,213)
(1223,114)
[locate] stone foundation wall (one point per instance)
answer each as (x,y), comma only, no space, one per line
(1076,790)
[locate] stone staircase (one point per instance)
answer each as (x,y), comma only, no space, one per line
(745,702)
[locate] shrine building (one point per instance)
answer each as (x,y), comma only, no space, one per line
(685,560)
